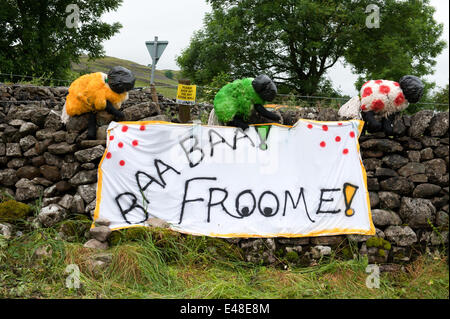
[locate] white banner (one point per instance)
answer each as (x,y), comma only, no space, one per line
(269,181)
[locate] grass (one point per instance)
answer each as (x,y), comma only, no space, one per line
(168,92)
(141,72)
(163,264)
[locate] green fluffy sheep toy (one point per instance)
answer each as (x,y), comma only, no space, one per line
(233,104)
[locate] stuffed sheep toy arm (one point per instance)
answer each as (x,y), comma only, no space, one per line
(234,102)
(96,92)
(384,98)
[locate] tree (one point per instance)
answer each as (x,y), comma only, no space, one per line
(169,74)
(297,41)
(441,99)
(407,42)
(39,37)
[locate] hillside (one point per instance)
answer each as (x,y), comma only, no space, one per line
(141,72)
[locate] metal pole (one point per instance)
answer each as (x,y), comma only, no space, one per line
(155,59)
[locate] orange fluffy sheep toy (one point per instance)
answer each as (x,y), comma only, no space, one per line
(95,92)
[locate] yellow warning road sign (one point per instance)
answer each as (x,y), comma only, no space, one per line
(186,94)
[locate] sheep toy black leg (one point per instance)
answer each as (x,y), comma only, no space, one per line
(113,111)
(92,123)
(92,126)
(238,122)
(371,124)
(388,128)
(266,113)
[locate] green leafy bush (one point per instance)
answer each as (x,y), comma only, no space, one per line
(169,74)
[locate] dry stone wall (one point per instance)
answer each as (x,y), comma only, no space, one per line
(407,175)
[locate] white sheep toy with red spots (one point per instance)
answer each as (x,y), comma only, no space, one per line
(383,98)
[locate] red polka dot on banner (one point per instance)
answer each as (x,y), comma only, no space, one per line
(124,128)
(340,124)
(325,128)
(384,89)
(120,144)
(345,151)
(399,99)
(108,155)
(142,128)
(367,91)
(352,134)
(310,126)
(363,107)
(122,163)
(135,143)
(323,144)
(337,139)
(379,81)
(377,105)
(111,137)
(396,84)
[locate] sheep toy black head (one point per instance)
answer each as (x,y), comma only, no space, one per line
(412,88)
(120,79)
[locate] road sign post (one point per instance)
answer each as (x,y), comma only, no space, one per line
(156,49)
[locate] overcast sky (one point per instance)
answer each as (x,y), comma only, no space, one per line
(176,21)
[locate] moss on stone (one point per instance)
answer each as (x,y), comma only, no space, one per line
(279,252)
(374,242)
(204,244)
(378,243)
(115,238)
(382,252)
(399,255)
(292,257)
(347,252)
(75,229)
(82,217)
(12,211)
